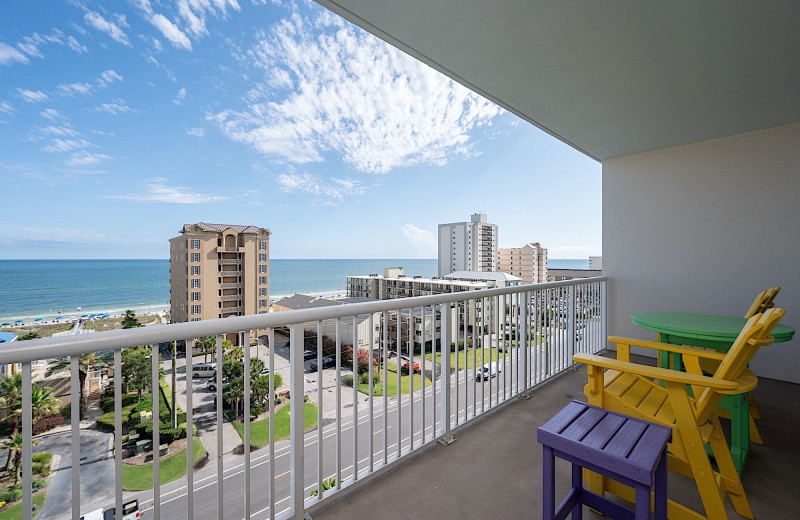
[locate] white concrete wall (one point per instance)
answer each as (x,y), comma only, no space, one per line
(704,228)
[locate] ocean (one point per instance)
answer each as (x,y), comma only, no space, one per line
(31,289)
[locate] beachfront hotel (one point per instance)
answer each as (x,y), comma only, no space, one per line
(218,271)
(468,246)
(529,262)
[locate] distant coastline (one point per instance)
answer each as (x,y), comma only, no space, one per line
(34,289)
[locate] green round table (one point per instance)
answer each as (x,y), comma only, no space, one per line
(710,331)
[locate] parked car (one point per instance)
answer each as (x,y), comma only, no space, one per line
(130,511)
(204,370)
(327,362)
(487,371)
(212,384)
(309,354)
(264,372)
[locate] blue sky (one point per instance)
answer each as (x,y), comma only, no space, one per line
(120,122)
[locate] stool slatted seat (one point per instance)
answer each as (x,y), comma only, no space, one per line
(628,450)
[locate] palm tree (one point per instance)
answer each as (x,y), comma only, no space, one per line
(207,344)
(85,364)
(14,445)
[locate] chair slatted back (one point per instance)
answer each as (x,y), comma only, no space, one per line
(762,302)
(756,333)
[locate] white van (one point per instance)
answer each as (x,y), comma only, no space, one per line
(204,370)
(488,371)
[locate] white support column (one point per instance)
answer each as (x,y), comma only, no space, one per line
(572,328)
(296,447)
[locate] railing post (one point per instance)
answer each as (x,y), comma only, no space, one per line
(524,301)
(446,336)
(27,442)
(571,325)
(296,478)
(603,315)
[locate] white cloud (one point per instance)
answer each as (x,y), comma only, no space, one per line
(71,89)
(63,131)
(158,191)
(120,107)
(5,107)
(65,145)
(110,28)
(194,12)
(197,132)
(171,31)
(9,54)
(75,45)
(50,113)
(108,76)
(180,97)
(333,88)
(325,193)
(32,96)
(84,158)
(420,240)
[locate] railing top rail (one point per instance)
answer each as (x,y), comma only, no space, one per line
(45,348)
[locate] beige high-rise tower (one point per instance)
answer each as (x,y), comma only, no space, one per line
(217,271)
(529,262)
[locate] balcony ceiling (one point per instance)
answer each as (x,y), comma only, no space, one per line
(609,78)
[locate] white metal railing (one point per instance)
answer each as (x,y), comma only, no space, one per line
(474,351)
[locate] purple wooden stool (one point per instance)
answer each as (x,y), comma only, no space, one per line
(628,450)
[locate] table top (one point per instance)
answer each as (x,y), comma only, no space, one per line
(711,327)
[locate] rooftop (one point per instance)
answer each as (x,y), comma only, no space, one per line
(218,228)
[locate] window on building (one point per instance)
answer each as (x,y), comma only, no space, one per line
(195,257)
(262,303)
(262,268)
(196,296)
(262,291)
(195,319)
(195,244)
(195,269)
(262,257)
(195,282)
(262,280)
(195,309)
(262,245)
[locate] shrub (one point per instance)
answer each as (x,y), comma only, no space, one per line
(47,423)
(255,410)
(39,483)
(278,400)
(348,380)
(106,422)
(44,456)
(11,494)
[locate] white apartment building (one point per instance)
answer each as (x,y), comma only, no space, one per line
(529,262)
(596,263)
(217,271)
(468,246)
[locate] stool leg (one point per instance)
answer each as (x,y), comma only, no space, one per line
(642,506)
(577,486)
(660,499)
(548,484)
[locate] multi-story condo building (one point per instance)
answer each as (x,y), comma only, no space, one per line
(529,262)
(468,246)
(217,271)
(596,263)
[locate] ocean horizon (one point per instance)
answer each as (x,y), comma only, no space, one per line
(47,289)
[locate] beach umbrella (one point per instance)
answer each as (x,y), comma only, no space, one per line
(17,321)
(38,319)
(6,324)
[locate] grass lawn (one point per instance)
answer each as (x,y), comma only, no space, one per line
(132,405)
(482,357)
(102,324)
(259,430)
(44,330)
(139,478)
(391,384)
(15,511)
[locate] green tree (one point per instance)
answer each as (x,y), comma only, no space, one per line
(207,345)
(28,335)
(136,373)
(14,446)
(129,321)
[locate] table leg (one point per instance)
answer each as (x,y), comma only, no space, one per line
(548,483)
(740,428)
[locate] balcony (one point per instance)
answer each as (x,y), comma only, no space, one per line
(230,298)
(401,424)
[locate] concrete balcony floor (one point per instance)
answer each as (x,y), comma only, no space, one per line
(494,468)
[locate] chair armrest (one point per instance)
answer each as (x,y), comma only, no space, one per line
(657,373)
(689,350)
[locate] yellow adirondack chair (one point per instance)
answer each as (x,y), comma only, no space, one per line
(635,390)
(761,303)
